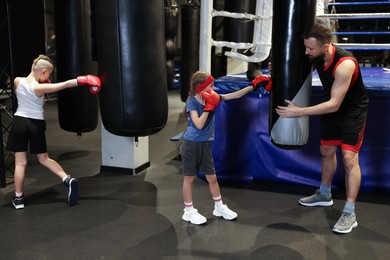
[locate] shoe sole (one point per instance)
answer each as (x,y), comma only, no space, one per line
(18,206)
(347,230)
(319,203)
(73,195)
(185,218)
(222,216)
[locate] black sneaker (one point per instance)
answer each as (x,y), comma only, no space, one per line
(18,202)
(72,189)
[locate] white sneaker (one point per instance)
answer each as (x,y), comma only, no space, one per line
(194,217)
(225,212)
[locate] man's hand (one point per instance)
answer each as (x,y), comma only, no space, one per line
(291,110)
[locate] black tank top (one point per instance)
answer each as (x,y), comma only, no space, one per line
(356,98)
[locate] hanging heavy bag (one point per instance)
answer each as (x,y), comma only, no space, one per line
(291,71)
(77,107)
(131,56)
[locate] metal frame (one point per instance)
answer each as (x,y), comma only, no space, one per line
(6,96)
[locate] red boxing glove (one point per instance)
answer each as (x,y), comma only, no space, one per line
(212,100)
(268,87)
(92,81)
(262,81)
(48,81)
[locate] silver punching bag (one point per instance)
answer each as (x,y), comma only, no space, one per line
(291,70)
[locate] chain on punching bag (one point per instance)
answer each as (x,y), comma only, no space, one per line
(77,107)
(131,56)
(291,70)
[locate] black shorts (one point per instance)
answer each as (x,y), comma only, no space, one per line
(27,132)
(344,130)
(197,156)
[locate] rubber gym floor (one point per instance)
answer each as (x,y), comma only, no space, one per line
(123,216)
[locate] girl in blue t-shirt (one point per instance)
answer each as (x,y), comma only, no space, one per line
(196,146)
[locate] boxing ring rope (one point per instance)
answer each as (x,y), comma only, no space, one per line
(365,46)
(262,34)
(355,16)
(360,33)
(359,3)
(250,17)
(263,31)
(359,46)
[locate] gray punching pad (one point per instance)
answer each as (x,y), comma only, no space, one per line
(291,70)
(131,56)
(77,107)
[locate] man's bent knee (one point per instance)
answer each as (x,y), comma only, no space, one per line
(328,151)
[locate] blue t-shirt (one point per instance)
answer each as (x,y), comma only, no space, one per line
(194,134)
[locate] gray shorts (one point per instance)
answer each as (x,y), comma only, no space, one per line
(197,156)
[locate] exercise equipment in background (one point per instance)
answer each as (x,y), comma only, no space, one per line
(131,55)
(190,24)
(77,107)
(171,24)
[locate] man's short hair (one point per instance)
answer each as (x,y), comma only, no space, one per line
(320,32)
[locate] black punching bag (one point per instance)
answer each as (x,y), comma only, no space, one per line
(190,18)
(131,56)
(291,70)
(77,107)
(235,30)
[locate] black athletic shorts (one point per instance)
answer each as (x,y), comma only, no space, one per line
(344,130)
(197,156)
(27,132)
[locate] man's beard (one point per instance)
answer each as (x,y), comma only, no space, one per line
(319,60)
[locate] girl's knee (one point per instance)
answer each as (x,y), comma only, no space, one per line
(21,163)
(189,179)
(43,158)
(212,178)
(21,159)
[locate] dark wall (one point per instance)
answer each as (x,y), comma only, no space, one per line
(4,49)
(27,24)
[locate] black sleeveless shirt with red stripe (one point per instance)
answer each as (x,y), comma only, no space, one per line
(356,98)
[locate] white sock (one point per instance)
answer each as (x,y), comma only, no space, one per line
(66,177)
(18,194)
(188,205)
(218,201)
